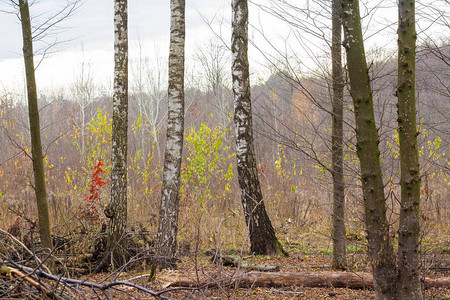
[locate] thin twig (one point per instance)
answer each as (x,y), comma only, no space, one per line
(102,287)
(25,248)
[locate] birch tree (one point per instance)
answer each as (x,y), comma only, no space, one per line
(35,130)
(261,232)
(309,24)
(116,211)
(380,249)
(83,92)
(212,57)
(150,92)
(409,230)
(168,213)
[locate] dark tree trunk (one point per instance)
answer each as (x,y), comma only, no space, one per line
(337,142)
(262,234)
(117,209)
(380,247)
(168,213)
(35,131)
(409,231)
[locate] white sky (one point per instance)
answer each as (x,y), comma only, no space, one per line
(90,32)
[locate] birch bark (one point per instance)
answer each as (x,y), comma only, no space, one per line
(261,232)
(168,213)
(117,209)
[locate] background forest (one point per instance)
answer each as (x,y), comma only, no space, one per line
(291,94)
(291,135)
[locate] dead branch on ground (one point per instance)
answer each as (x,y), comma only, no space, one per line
(279,279)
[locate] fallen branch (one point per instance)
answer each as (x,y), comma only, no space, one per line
(443,282)
(236,261)
(279,279)
(14,239)
(93,285)
(8,271)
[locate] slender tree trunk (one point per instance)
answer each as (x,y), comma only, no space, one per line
(337,142)
(409,230)
(168,213)
(83,129)
(117,208)
(155,136)
(379,242)
(262,234)
(35,130)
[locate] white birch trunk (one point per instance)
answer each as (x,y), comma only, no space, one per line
(117,209)
(261,232)
(168,214)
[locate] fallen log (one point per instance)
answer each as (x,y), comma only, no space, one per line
(238,262)
(280,279)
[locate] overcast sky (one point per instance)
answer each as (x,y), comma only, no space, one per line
(90,32)
(90,35)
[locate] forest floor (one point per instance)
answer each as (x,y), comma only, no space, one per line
(312,253)
(296,262)
(309,251)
